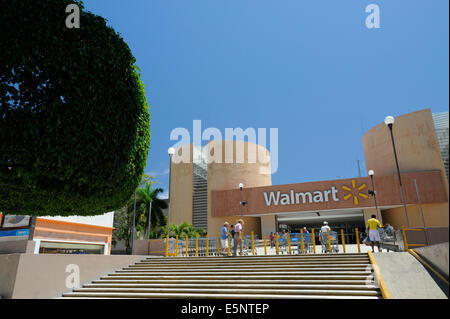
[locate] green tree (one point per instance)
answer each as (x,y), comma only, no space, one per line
(147,197)
(183,230)
(74,119)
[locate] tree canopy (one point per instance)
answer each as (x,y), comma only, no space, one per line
(74,119)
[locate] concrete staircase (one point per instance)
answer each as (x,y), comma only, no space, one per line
(262,277)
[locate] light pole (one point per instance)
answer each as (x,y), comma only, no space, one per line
(170,151)
(373,192)
(133,229)
(242,202)
(389,121)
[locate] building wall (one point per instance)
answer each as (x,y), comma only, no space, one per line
(74,232)
(418,149)
(181,186)
(86,229)
(229,175)
(434,215)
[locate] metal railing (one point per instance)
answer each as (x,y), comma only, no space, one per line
(290,243)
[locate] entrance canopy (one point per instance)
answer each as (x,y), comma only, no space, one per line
(305,218)
(345,195)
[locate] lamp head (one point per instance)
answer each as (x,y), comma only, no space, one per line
(371,172)
(241,185)
(389,120)
(171,151)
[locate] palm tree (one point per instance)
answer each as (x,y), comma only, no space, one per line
(183,230)
(149,208)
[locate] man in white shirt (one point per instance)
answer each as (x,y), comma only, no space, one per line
(325,227)
(238,237)
(323,230)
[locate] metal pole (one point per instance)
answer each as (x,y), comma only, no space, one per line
(421,211)
(398,173)
(170,187)
(133,230)
(375,196)
(149,219)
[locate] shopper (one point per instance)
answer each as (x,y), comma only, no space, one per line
(231,236)
(238,228)
(272,242)
(224,237)
(323,230)
(374,235)
(305,231)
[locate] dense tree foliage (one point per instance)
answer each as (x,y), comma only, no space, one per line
(74,120)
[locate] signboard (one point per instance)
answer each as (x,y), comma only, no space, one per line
(14,221)
(14,234)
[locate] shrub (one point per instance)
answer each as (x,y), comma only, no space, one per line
(74,120)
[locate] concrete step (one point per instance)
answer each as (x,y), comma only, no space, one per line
(321,286)
(92,295)
(311,276)
(247,267)
(232,291)
(188,271)
(261,277)
(229,274)
(324,281)
(255,258)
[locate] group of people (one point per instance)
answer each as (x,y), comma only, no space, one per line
(236,239)
(235,234)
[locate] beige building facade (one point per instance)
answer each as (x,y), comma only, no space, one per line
(227,164)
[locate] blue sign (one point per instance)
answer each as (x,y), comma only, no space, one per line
(14,234)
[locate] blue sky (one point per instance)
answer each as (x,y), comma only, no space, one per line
(310,68)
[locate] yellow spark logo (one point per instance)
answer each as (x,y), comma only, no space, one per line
(355,192)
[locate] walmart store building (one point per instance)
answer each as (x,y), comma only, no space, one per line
(207,195)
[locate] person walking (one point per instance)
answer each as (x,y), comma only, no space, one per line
(231,236)
(224,237)
(323,230)
(238,228)
(272,242)
(305,231)
(374,235)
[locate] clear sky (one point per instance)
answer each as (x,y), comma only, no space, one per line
(310,68)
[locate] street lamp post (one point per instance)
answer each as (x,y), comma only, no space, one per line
(389,121)
(374,193)
(133,230)
(170,151)
(242,202)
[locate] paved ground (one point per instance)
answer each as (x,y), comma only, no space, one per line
(348,249)
(406,277)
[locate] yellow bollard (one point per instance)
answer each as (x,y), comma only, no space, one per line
(207,246)
(167,245)
(278,250)
(176,243)
(218,244)
(229,241)
(357,239)
(303,243)
(265,245)
(196,246)
(187,246)
(343,240)
(253,245)
(328,237)
(314,240)
(289,242)
(404,238)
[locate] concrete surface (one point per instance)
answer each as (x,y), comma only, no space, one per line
(436,255)
(44,276)
(17,246)
(406,277)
